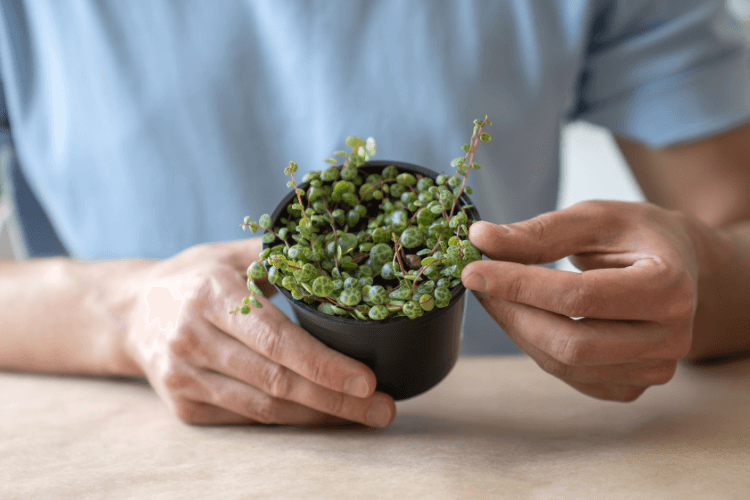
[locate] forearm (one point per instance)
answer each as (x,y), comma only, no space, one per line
(722,319)
(63,316)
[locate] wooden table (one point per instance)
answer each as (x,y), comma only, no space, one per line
(495,428)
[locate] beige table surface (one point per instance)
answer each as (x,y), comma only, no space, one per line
(495,428)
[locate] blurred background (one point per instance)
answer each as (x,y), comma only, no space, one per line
(592,167)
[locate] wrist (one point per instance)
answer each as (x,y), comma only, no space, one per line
(722,312)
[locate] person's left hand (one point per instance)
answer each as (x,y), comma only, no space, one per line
(636,297)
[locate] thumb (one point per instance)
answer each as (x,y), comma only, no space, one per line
(581,228)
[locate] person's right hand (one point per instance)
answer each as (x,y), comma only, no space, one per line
(212,367)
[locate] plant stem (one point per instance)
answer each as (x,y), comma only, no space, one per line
(473,143)
(396,249)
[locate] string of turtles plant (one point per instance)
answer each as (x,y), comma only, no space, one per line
(369,246)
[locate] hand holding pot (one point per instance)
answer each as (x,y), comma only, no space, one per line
(212,367)
(636,296)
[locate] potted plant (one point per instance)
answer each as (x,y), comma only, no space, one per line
(370,255)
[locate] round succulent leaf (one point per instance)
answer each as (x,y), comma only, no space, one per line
(349,173)
(256,270)
(381,253)
(406,179)
(442,296)
(402,293)
(322,286)
(274,276)
(427,302)
(412,310)
(378,312)
(398,220)
(387,271)
(350,296)
(326,308)
(412,237)
(377,294)
(253,287)
(346,241)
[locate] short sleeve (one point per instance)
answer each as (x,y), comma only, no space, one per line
(664,72)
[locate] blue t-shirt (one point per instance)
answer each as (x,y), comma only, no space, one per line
(145,127)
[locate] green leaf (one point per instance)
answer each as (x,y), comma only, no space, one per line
(476,165)
(290,184)
(340,153)
(426,262)
(332,161)
(485,137)
(457,162)
(466,148)
(254,288)
(268,238)
(359,315)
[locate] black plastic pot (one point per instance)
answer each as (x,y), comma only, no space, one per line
(408,356)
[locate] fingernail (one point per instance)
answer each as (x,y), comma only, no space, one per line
(357,386)
(475,281)
(379,415)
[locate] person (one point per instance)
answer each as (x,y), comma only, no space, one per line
(146,131)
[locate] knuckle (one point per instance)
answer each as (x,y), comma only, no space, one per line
(265,410)
(683,297)
(334,405)
(198,295)
(268,339)
(572,350)
(176,380)
(536,227)
(580,301)
(516,288)
(554,367)
(277,381)
(186,412)
(183,342)
(318,369)
(507,316)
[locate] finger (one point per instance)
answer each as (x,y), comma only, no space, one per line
(257,405)
(270,333)
(582,228)
(198,413)
(644,291)
(610,392)
(585,342)
(230,357)
(241,253)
